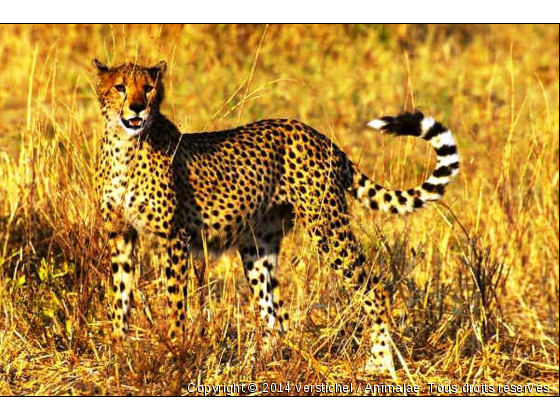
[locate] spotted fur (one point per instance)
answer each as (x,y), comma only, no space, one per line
(241,188)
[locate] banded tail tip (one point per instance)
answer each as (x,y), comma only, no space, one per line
(406,124)
(376,124)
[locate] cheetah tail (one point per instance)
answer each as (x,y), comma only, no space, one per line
(411,124)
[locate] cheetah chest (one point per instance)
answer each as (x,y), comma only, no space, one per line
(124,195)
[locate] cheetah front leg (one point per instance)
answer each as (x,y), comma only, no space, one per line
(122,247)
(176,273)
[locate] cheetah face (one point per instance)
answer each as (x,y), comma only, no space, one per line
(130,95)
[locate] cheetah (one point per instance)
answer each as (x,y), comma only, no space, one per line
(243,188)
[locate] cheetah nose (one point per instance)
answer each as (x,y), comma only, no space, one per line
(138,108)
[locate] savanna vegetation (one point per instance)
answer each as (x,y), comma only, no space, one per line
(473,282)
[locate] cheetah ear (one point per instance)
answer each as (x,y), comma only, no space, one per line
(158,70)
(101,68)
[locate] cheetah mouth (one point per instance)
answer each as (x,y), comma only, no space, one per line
(134,123)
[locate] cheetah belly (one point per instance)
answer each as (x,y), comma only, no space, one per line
(212,245)
(215,241)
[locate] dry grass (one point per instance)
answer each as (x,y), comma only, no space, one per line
(473,283)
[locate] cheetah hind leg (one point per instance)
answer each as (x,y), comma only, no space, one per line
(380,361)
(341,250)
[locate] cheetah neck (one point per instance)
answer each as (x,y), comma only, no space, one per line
(159,132)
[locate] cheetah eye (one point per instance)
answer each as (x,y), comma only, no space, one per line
(148,88)
(120,88)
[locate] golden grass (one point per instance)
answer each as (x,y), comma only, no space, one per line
(473,283)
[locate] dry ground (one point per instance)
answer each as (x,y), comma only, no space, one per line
(473,282)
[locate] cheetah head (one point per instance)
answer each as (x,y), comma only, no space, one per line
(130,95)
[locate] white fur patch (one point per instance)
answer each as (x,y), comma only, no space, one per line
(361,190)
(427,123)
(444,139)
(377,124)
(437,181)
(447,160)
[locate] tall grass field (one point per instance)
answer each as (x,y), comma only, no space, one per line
(472,281)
